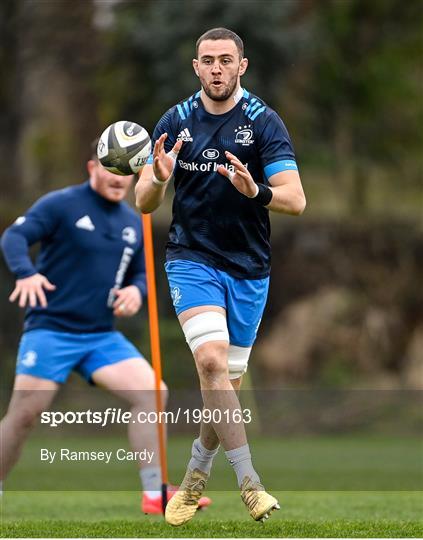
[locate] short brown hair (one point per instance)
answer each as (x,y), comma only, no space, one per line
(222,33)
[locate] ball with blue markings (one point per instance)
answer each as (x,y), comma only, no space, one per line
(124,147)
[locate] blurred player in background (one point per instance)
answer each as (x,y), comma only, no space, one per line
(90,269)
(232,161)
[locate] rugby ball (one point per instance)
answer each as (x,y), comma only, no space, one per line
(124,147)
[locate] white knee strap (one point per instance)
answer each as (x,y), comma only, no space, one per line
(238,360)
(204,327)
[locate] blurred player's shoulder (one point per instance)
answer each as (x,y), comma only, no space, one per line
(55,198)
(127,208)
(65,193)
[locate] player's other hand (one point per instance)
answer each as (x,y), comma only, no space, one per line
(240,178)
(128,301)
(164,163)
(30,291)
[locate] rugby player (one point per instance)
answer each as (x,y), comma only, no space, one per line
(90,269)
(232,161)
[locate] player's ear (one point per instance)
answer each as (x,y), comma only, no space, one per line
(195,66)
(90,166)
(243,66)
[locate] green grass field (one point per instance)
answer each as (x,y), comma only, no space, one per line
(303,514)
(308,513)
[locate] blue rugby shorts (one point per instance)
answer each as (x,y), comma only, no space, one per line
(53,355)
(195,284)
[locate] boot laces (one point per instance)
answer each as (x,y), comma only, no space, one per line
(250,495)
(194,491)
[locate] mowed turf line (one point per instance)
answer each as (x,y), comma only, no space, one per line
(303,514)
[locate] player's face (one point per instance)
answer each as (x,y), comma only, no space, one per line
(112,187)
(219,68)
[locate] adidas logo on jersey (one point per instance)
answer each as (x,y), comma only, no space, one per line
(85,223)
(185,136)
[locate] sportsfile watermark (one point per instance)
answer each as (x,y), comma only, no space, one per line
(114,415)
(300,440)
(105,456)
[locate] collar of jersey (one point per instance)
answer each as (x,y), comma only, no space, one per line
(239,94)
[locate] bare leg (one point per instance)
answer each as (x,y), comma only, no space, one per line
(31,396)
(133,381)
(208,436)
(219,396)
(211,360)
(218,393)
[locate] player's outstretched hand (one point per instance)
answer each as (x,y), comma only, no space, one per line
(30,291)
(128,301)
(241,178)
(164,163)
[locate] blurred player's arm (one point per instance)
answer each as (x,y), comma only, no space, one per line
(154,179)
(38,223)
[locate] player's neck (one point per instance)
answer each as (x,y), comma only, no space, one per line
(221,107)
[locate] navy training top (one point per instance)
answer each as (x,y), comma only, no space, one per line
(89,246)
(212,222)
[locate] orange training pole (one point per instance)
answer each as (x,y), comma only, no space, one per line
(155,342)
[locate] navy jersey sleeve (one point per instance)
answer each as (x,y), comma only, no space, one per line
(166,124)
(39,222)
(136,272)
(275,147)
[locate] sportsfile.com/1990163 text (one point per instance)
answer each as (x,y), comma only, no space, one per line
(114,415)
